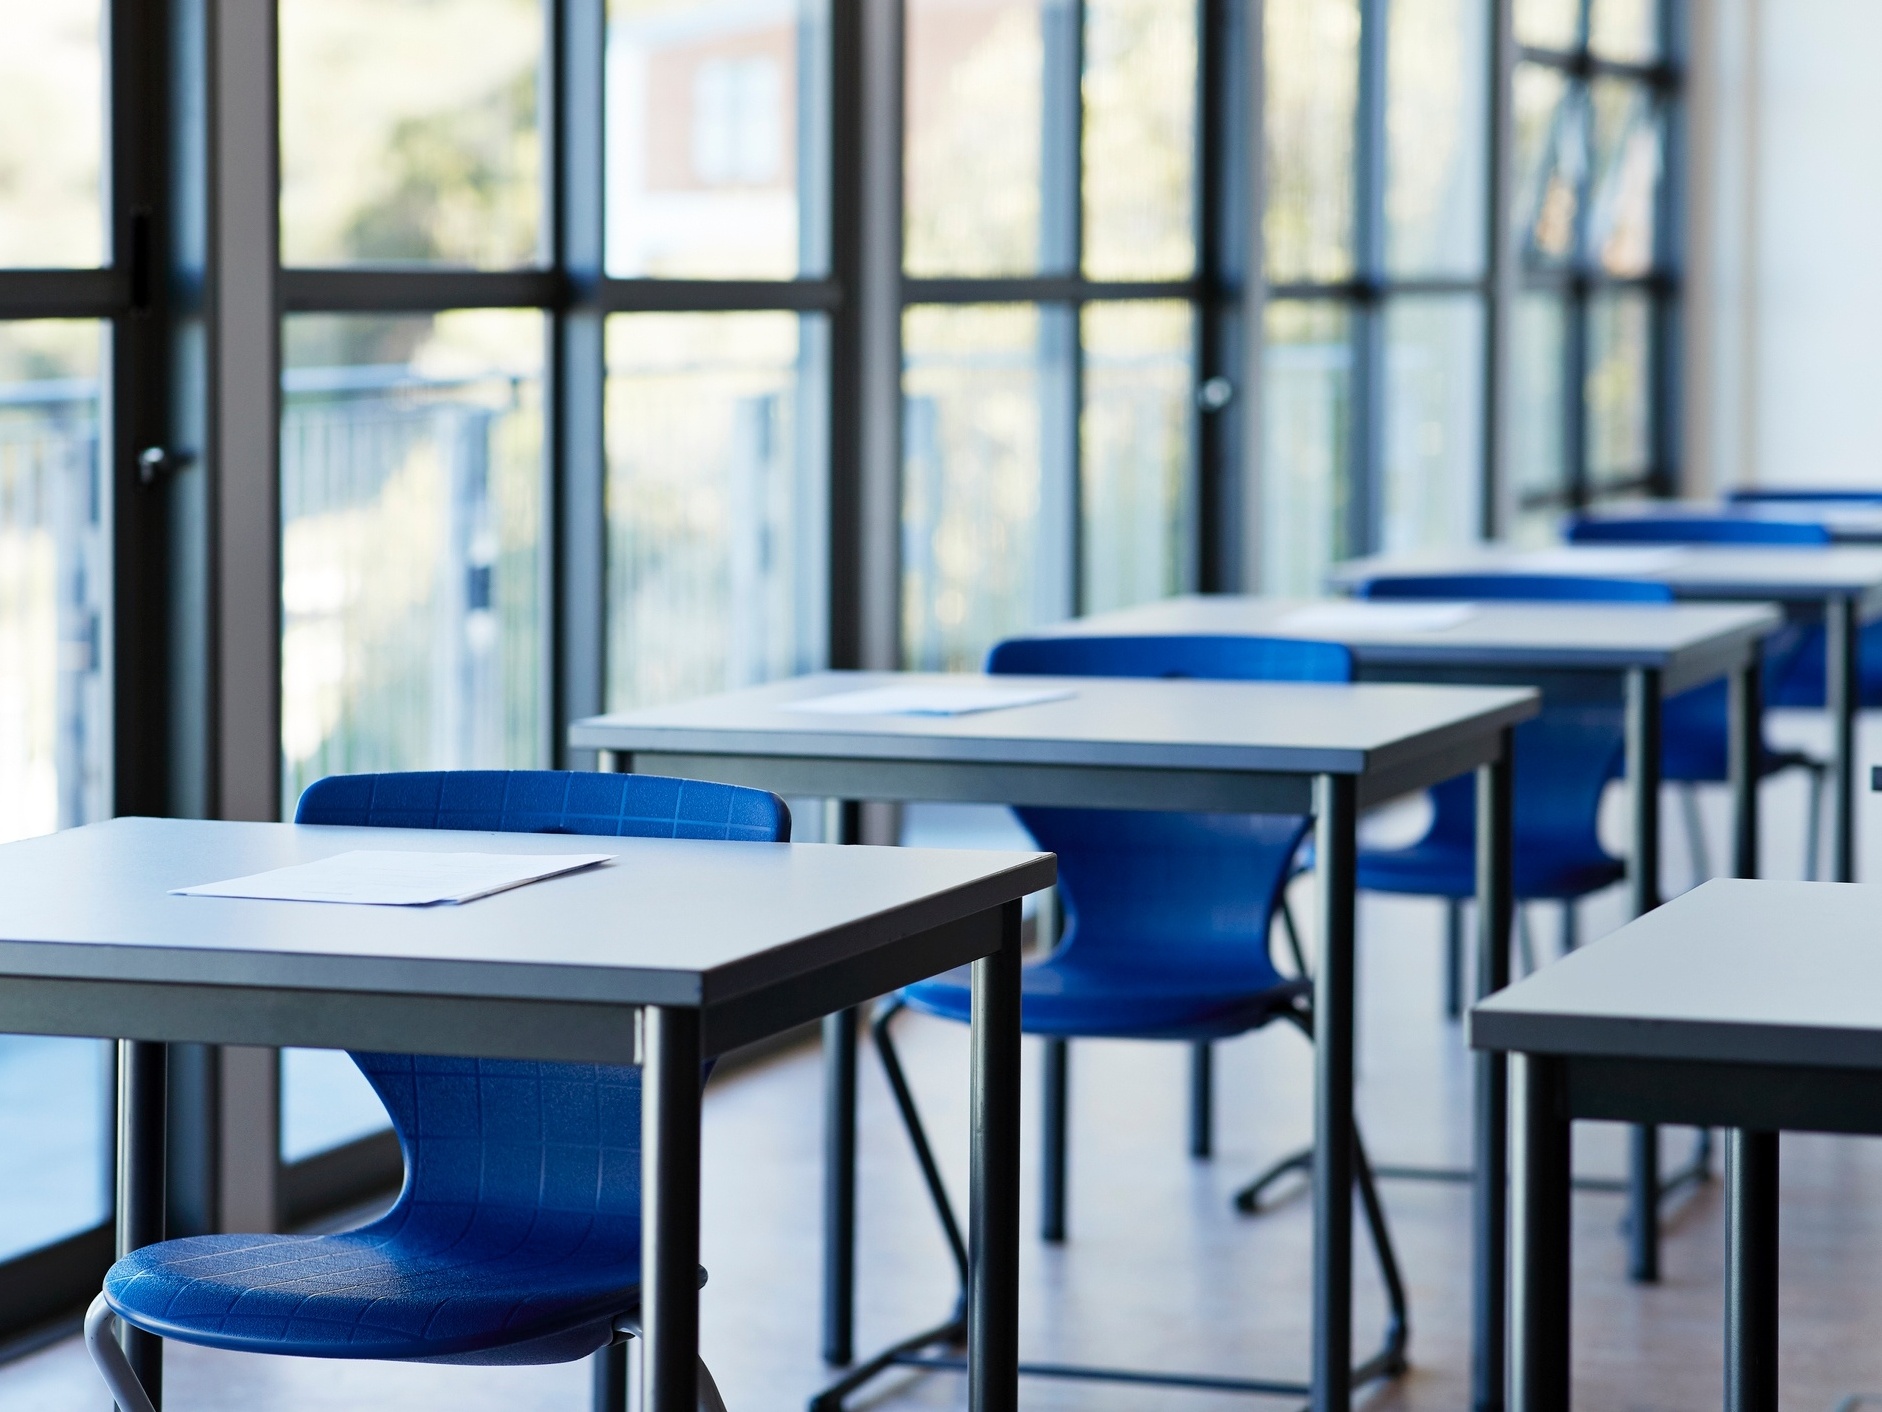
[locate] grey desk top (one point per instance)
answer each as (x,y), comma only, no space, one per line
(1735,970)
(1296,728)
(667,922)
(1802,574)
(1688,642)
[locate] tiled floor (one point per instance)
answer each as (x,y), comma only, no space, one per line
(1159,1271)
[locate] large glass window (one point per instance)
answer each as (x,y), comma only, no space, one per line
(409,132)
(1379,233)
(411,509)
(715,504)
(52,205)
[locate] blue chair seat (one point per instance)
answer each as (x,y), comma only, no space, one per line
(1067,999)
(549,1297)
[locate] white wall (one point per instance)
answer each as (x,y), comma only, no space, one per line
(1785,260)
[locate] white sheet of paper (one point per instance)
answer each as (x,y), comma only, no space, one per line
(1336,618)
(385,878)
(1603,559)
(926,699)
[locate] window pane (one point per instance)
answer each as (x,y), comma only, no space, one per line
(388,154)
(51,134)
(54,580)
(1624,29)
(55,1175)
(1312,85)
(1626,177)
(1307,373)
(1140,139)
(1551,163)
(325,1102)
(1436,143)
(1538,443)
(715,502)
(717,139)
(1549,24)
(1433,423)
(55,1169)
(976,109)
(1618,390)
(411,500)
(986,440)
(1136,477)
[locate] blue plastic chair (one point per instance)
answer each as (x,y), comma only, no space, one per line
(1166,938)
(1802,495)
(516,1237)
(1695,529)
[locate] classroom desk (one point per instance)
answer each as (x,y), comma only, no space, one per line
(1856,520)
(1753,1006)
(1841,584)
(1634,653)
(673,953)
(1275,747)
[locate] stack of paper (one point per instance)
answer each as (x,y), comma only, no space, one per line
(928,699)
(392,879)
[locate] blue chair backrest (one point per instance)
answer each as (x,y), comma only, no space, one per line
(496,1149)
(1773,494)
(1156,892)
(1695,529)
(1539,588)
(1564,756)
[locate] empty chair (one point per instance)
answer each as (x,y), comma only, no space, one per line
(1802,495)
(516,1236)
(1695,529)
(1166,938)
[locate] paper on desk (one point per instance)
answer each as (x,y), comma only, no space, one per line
(1601,559)
(386,878)
(928,699)
(1336,618)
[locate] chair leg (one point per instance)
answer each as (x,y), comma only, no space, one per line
(1525,944)
(1695,832)
(1202,1100)
(918,1138)
(1248,1199)
(1453,958)
(1390,1359)
(101,1342)
(706,1399)
(610,1379)
(1053,1117)
(1813,826)
(1571,926)
(1293,939)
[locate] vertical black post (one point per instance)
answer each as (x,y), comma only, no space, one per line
(1643,876)
(669,1163)
(1201,1100)
(1539,1333)
(1744,724)
(1751,1168)
(1496,908)
(143,1082)
(843,820)
(1052,1120)
(993,1203)
(1336,821)
(839,1186)
(1843,693)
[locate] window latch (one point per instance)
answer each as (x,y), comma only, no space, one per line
(156,462)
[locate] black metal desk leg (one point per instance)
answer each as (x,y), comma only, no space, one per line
(1843,692)
(669,1196)
(1745,742)
(1643,876)
(1751,1273)
(1336,818)
(143,1082)
(993,1203)
(839,1186)
(1495,910)
(1539,1312)
(841,825)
